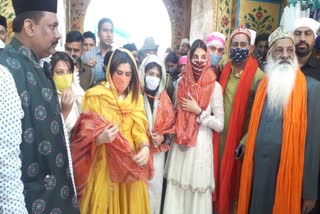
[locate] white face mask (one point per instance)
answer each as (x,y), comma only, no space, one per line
(152,82)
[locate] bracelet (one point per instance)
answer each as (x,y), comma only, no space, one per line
(200,113)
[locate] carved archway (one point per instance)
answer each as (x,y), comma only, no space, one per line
(179,12)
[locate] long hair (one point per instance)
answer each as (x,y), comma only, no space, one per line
(120,57)
(197,44)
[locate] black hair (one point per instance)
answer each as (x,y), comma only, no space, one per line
(107,58)
(152,65)
(102,21)
(130,47)
(197,44)
(120,57)
(74,36)
(172,57)
(61,56)
(18,22)
(261,37)
(89,34)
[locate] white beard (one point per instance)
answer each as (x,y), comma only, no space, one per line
(281,79)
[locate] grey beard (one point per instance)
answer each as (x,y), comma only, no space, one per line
(281,80)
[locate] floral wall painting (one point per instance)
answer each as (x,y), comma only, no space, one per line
(259,20)
(7,11)
(226,16)
(261,16)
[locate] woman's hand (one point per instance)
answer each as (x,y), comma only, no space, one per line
(190,105)
(67,100)
(143,156)
(157,139)
(108,135)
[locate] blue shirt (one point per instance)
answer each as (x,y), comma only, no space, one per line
(95,53)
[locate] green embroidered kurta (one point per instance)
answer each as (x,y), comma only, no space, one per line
(45,168)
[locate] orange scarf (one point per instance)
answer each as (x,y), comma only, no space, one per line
(231,167)
(165,120)
(119,154)
(290,173)
(187,126)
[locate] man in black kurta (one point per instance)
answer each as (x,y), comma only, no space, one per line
(46,170)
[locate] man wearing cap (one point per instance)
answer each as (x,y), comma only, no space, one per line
(238,80)
(34,121)
(216,43)
(133,49)
(305,30)
(149,47)
(184,47)
(281,162)
(95,56)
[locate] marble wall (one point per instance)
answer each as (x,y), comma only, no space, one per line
(202,19)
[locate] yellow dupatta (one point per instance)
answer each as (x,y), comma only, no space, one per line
(101,194)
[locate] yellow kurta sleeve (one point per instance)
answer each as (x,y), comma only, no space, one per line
(91,103)
(139,135)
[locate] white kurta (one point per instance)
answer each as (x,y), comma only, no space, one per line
(156,183)
(11,114)
(77,106)
(190,173)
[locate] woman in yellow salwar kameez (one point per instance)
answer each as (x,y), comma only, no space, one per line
(119,101)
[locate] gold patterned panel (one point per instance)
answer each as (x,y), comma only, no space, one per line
(78,10)
(180,16)
(226,16)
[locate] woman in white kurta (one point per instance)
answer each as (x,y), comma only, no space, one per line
(69,90)
(190,171)
(161,119)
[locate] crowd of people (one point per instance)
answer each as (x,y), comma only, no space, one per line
(97,129)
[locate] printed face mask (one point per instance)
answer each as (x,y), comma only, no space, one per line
(121,82)
(198,66)
(214,59)
(152,83)
(239,55)
(62,82)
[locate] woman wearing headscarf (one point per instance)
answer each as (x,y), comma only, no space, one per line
(110,147)
(161,119)
(191,177)
(69,91)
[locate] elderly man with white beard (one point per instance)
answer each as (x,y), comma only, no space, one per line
(281,163)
